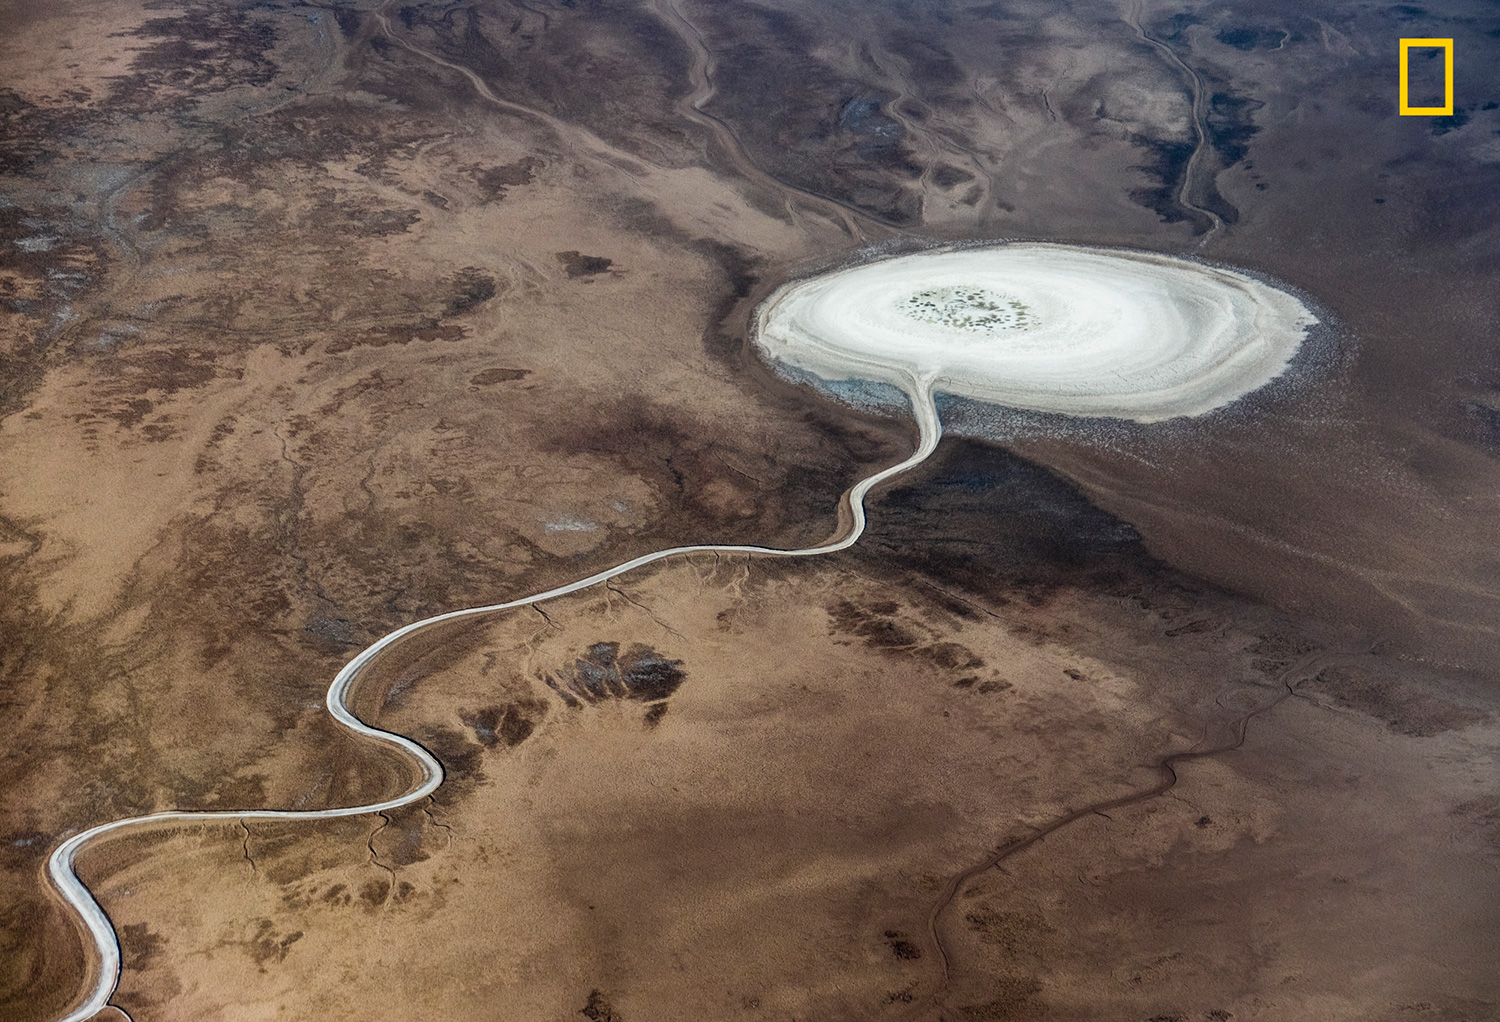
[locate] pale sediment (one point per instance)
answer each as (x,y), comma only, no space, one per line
(1046,327)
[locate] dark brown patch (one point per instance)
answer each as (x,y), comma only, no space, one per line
(495,181)
(268,946)
(469,288)
(1038,532)
(197,51)
(402,840)
(138,945)
(579,265)
(877,624)
(679,453)
(1404,707)
(598,1009)
(832,133)
(901,946)
(422,330)
(946,176)
(603,672)
(490,377)
(462,762)
(374,892)
(123,381)
(507,725)
(951,655)
(873,623)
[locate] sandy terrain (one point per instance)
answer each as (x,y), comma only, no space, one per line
(327,403)
(319,321)
(723,787)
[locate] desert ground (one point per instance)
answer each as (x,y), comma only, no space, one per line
(320,319)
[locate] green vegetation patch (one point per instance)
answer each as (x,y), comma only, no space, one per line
(968,307)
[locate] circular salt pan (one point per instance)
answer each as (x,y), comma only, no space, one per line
(1045,327)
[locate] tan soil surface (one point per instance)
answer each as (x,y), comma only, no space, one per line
(315,321)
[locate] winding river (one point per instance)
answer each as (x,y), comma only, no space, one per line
(102,932)
(1051,327)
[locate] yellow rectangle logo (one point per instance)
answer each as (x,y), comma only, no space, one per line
(1446,110)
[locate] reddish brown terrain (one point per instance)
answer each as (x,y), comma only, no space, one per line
(322,319)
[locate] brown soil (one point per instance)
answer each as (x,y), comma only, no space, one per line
(315,322)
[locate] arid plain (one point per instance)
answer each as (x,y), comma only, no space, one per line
(320,319)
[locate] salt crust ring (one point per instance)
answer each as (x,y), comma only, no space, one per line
(1046,327)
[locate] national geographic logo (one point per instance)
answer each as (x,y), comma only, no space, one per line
(1446,110)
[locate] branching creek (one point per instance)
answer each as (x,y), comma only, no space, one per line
(1200,124)
(692,107)
(106,968)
